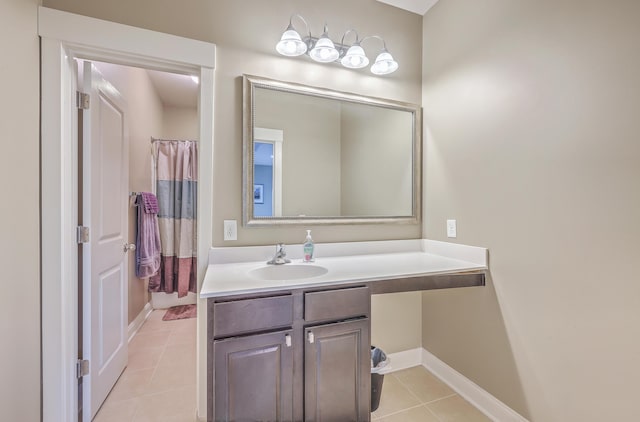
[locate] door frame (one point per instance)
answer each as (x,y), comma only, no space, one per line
(65,36)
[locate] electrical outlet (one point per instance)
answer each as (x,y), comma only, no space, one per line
(230,230)
(451,228)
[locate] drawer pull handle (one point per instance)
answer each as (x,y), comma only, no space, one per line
(287,340)
(311,337)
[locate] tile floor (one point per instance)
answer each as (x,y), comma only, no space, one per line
(415,395)
(159,384)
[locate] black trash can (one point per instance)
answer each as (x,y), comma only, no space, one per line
(378,361)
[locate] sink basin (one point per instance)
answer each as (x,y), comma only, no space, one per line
(288,272)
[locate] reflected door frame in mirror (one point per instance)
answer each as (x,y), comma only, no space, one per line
(253,131)
(274,137)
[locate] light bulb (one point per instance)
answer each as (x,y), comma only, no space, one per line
(324,51)
(384,64)
(355,58)
(291,44)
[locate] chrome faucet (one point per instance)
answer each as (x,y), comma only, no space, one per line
(280,257)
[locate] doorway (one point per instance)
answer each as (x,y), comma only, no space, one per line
(65,37)
(155,104)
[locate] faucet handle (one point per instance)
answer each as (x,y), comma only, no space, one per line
(279,257)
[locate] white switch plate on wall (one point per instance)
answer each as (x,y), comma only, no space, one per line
(230,230)
(451,228)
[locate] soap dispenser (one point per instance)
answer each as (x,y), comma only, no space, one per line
(307,248)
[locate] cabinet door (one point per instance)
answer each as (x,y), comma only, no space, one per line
(337,372)
(254,378)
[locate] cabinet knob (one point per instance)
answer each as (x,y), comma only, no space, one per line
(311,337)
(287,340)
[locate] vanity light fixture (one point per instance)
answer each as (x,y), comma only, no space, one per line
(324,50)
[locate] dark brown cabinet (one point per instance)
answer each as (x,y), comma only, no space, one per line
(301,355)
(337,365)
(254,378)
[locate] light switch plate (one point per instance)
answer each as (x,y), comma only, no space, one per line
(451,228)
(230,230)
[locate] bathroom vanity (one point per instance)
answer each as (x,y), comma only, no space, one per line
(292,342)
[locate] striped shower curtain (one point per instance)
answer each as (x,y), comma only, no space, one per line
(176,172)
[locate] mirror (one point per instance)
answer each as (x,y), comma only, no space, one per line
(317,156)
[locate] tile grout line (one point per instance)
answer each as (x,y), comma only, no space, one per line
(400,411)
(433,413)
(441,398)
(408,389)
(420,400)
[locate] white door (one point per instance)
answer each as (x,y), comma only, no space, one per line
(105,180)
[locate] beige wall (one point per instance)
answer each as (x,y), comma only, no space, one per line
(180,123)
(531,112)
(377,150)
(19,213)
(145,121)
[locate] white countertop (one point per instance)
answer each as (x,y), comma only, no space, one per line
(229,274)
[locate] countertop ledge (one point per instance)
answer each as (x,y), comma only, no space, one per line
(347,263)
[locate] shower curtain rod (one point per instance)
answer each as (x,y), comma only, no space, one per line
(173,140)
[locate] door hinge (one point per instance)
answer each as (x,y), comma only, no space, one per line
(83,100)
(83,234)
(82,368)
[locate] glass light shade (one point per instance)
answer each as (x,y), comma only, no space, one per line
(355,58)
(291,44)
(384,64)
(324,51)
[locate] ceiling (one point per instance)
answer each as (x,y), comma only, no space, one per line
(175,90)
(416,6)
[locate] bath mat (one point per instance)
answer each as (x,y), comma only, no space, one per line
(180,312)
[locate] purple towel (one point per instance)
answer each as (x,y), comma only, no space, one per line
(150,202)
(148,237)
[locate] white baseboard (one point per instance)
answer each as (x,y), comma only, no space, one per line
(403,360)
(470,391)
(165,301)
(140,319)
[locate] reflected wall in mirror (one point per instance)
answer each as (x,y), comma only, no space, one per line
(316,156)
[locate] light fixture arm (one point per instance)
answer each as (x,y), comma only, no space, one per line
(303,21)
(384,44)
(347,32)
(342,47)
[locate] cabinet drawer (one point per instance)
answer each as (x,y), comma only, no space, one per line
(336,304)
(248,315)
